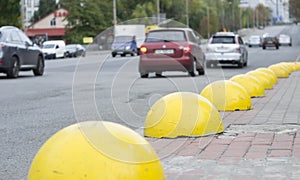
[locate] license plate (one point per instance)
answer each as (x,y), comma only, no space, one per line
(164,51)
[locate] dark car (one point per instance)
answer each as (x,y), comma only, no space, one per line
(171,49)
(270,41)
(74,50)
(18,53)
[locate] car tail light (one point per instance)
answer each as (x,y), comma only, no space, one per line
(186,49)
(143,50)
(238,50)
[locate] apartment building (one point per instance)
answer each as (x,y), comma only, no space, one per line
(28,7)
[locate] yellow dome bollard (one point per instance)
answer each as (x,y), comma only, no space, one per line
(296,66)
(280,71)
(287,65)
(265,78)
(251,84)
(96,150)
(269,72)
(227,95)
(182,114)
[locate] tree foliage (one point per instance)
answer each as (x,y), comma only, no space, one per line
(45,8)
(10,13)
(295,8)
(90,17)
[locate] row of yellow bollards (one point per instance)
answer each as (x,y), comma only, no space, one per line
(106,150)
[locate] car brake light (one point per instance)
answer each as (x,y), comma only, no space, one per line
(187,49)
(238,49)
(143,50)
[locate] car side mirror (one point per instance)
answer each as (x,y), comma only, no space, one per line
(27,44)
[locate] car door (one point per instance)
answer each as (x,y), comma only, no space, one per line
(30,52)
(20,48)
(243,48)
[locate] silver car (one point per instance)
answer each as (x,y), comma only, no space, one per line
(255,40)
(226,48)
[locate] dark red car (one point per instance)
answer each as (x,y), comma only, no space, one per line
(171,49)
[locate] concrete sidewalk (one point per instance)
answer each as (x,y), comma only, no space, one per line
(262,143)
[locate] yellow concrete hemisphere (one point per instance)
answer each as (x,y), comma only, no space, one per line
(296,66)
(96,150)
(250,83)
(182,114)
(227,95)
(288,66)
(280,71)
(270,73)
(265,78)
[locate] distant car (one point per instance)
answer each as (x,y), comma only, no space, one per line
(75,50)
(284,40)
(270,41)
(171,49)
(54,49)
(19,53)
(124,45)
(254,40)
(226,48)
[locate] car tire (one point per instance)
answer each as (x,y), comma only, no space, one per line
(277,47)
(264,47)
(201,71)
(39,70)
(144,75)
(194,69)
(113,54)
(13,71)
(241,64)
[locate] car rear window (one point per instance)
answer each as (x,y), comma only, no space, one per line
(223,40)
(165,36)
(122,39)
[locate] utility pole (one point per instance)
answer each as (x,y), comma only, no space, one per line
(208,22)
(158,12)
(187,12)
(115,12)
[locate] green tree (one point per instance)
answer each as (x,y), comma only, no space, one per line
(46,7)
(86,18)
(10,13)
(295,8)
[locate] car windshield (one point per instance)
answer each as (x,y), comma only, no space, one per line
(48,46)
(223,40)
(165,36)
(269,38)
(122,39)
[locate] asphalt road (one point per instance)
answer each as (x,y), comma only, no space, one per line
(98,87)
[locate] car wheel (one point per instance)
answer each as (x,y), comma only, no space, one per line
(241,64)
(132,53)
(113,54)
(290,44)
(277,47)
(13,71)
(144,75)
(264,47)
(201,71)
(39,70)
(192,72)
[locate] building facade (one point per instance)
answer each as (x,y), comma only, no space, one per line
(280,8)
(28,7)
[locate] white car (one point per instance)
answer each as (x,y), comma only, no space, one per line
(226,48)
(284,40)
(54,49)
(254,40)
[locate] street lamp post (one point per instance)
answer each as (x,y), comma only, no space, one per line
(187,12)
(115,12)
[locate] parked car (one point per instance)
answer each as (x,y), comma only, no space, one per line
(54,49)
(270,41)
(19,53)
(254,40)
(226,48)
(75,50)
(171,49)
(284,39)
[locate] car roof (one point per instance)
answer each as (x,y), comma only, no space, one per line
(225,34)
(172,29)
(8,27)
